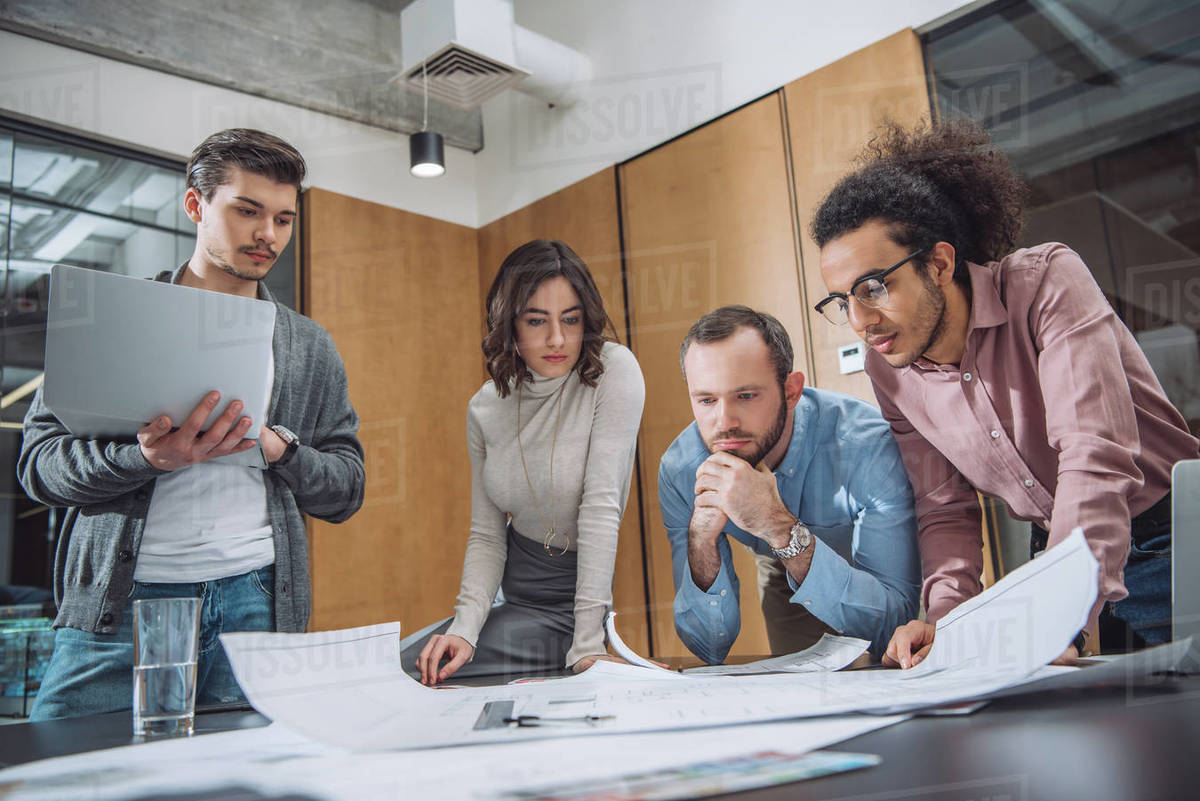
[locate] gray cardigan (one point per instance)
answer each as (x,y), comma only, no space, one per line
(107,485)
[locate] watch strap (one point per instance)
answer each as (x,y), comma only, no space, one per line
(290,440)
(799,542)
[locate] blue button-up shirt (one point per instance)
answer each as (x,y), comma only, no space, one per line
(843,478)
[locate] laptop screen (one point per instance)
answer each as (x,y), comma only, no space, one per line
(1185,557)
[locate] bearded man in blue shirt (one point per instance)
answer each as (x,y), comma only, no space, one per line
(808,480)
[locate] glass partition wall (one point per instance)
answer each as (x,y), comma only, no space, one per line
(64,200)
(1097,103)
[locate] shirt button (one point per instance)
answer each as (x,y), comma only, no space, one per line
(722,593)
(712,603)
(808,603)
(995,434)
(125,556)
(1029,482)
(966,376)
(720,634)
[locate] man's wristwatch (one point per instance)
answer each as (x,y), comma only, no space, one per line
(800,542)
(290,440)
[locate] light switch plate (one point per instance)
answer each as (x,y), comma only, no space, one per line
(852,358)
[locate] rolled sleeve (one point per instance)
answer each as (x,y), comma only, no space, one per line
(853,601)
(709,622)
(876,589)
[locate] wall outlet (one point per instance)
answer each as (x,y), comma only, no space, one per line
(852,358)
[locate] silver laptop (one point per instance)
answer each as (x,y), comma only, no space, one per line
(1185,558)
(121,351)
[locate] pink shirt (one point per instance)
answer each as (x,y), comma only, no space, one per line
(1053,409)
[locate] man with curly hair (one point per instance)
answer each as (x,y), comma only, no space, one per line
(1002,372)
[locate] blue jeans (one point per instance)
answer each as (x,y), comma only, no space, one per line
(93,673)
(1144,616)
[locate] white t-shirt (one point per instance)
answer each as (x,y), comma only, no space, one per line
(206,522)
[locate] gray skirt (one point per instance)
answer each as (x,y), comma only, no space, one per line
(530,627)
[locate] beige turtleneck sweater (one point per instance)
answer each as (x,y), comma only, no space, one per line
(593,463)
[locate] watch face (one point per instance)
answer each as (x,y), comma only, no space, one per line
(805,538)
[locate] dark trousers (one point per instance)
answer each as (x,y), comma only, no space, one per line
(1144,616)
(531,630)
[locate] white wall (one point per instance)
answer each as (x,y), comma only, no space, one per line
(662,67)
(148,109)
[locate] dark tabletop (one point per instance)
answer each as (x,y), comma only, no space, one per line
(1124,743)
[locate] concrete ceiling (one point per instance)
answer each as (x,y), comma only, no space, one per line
(334,57)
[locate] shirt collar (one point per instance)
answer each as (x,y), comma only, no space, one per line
(987,309)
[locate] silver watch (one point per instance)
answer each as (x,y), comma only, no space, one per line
(800,542)
(291,444)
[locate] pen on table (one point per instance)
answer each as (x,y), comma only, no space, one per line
(531,721)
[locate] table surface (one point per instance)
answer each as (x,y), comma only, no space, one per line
(1130,743)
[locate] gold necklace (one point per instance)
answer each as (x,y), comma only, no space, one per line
(552,529)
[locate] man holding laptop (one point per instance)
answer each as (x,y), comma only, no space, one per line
(161,517)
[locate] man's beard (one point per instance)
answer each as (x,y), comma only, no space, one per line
(930,314)
(760,445)
(933,308)
(222,262)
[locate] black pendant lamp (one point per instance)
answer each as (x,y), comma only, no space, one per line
(426,153)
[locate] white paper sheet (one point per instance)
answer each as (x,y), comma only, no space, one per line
(1023,621)
(270,760)
(619,672)
(623,650)
(831,652)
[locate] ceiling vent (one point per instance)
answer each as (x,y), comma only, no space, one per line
(462,77)
(472,50)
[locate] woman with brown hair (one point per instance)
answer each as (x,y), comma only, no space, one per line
(552,439)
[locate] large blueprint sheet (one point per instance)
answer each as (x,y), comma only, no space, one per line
(346,689)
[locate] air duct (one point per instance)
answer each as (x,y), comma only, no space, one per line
(472,50)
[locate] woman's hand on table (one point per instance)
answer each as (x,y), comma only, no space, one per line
(443,646)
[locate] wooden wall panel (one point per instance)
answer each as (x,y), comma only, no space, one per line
(708,221)
(831,114)
(390,286)
(584,215)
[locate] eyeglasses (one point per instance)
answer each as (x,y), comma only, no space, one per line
(870,291)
